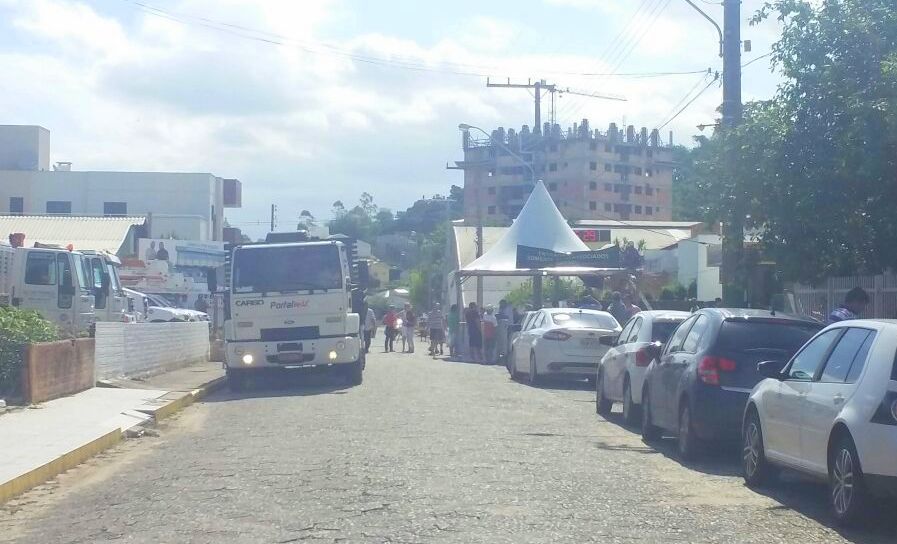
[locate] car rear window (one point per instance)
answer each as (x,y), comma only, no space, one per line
(661,330)
(583,319)
(743,335)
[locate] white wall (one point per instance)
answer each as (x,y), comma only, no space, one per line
(692,255)
(187,199)
(142,349)
(24,147)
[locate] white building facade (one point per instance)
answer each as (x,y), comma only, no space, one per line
(188,206)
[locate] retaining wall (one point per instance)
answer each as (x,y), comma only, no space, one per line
(57,369)
(144,349)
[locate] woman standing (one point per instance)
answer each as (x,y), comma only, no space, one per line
(474,332)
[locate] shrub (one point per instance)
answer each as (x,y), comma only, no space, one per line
(17,329)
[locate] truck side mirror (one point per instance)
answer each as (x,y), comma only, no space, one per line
(105,281)
(67,289)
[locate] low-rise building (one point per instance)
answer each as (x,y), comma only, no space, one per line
(177,204)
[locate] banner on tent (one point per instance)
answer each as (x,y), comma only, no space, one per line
(535,257)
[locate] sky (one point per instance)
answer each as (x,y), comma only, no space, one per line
(309,102)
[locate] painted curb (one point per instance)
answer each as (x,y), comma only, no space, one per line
(33,478)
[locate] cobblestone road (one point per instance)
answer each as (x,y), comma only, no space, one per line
(424,451)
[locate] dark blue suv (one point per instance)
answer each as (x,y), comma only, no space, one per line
(698,385)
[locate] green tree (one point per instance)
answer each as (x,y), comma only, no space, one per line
(816,166)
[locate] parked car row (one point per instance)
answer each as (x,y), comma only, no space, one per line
(157,309)
(792,393)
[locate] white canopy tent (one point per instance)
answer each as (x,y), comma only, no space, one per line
(539,225)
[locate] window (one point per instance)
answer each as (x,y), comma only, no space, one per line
(552,186)
(657,191)
(607,167)
(59,206)
(805,364)
(97,270)
(40,268)
(565,165)
(64,270)
(607,207)
(16,205)
(638,209)
(491,210)
(649,172)
(636,327)
(638,189)
(623,338)
(638,171)
(491,190)
(553,167)
(859,362)
(604,235)
(593,165)
(678,336)
(690,345)
(845,355)
(661,330)
(648,210)
(649,190)
(593,185)
(617,188)
(585,320)
(650,152)
(616,207)
(593,205)
(608,187)
(491,173)
(115,208)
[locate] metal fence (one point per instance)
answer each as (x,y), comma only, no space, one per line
(820,300)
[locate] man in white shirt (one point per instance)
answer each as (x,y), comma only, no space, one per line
(370,329)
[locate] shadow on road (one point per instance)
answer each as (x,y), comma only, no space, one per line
(287,383)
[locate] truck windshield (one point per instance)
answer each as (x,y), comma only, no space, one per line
(82,269)
(287,268)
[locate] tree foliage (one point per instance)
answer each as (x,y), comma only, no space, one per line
(18,328)
(815,167)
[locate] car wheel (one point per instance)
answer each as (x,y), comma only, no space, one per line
(650,432)
(603,405)
(756,469)
(236,380)
(686,440)
(848,495)
(630,409)
(534,378)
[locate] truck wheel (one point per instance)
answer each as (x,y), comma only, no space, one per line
(355,371)
(236,380)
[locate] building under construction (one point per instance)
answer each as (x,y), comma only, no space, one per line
(620,174)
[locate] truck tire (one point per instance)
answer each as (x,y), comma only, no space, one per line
(236,380)
(355,371)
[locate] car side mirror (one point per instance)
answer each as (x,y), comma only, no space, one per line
(608,340)
(771,369)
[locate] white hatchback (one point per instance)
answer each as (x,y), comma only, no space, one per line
(621,372)
(561,341)
(830,412)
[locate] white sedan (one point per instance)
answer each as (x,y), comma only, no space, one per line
(561,341)
(831,412)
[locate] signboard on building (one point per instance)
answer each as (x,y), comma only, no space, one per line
(182,252)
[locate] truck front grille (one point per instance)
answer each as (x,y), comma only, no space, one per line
(290,333)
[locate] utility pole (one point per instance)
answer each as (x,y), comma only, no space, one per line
(734,279)
(273,216)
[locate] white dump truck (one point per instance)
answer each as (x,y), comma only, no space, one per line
(110,302)
(53,281)
(289,306)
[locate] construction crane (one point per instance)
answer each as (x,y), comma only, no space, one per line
(553,89)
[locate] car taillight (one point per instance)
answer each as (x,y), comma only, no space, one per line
(710,367)
(643,357)
(556,335)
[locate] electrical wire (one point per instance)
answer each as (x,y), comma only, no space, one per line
(755,59)
(690,102)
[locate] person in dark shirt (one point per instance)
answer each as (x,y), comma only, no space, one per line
(162,253)
(854,303)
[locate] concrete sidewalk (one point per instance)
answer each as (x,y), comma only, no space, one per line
(40,442)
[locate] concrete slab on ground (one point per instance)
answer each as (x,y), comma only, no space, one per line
(188,378)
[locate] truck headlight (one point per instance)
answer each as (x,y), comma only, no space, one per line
(248,359)
(332,355)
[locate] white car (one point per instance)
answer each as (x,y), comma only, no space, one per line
(621,372)
(831,412)
(560,341)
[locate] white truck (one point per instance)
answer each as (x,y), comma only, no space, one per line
(53,281)
(289,306)
(110,302)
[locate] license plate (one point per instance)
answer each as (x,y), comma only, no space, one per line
(589,342)
(290,358)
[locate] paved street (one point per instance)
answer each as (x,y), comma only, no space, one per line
(424,451)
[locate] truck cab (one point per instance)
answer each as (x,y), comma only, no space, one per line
(289,305)
(110,302)
(52,281)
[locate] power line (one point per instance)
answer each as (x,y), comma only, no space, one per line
(323,48)
(698,83)
(690,102)
(755,59)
